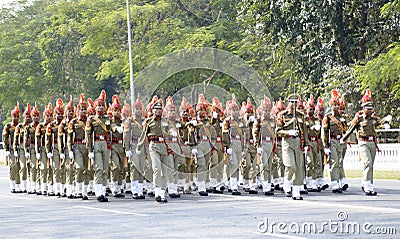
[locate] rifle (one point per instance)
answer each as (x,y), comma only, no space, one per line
(6,162)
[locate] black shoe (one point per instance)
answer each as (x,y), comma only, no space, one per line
(277,187)
(44,193)
(137,196)
(229,190)
(288,194)
(13,191)
(107,194)
(174,195)
(128,192)
(339,190)
(371,193)
(151,194)
(90,193)
(23,191)
(71,196)
(85,197)
(345,187)
(32,192)
(64,195)
(38,193)
(202,193)
(104,199)
(251,191)
(51,194)
(247,190)
(236,192)
(216,191)
(297,198)
(314,190)
(161,200)
(58,194)
(269,193)
(304,191)
(79,195)
(142,196)
(209,190)
(222,188)
(362,188)
(119,195)
(325,186)
(108,190)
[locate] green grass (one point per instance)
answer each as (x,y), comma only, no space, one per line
(378,174)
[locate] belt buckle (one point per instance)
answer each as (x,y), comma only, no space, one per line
(267,138)
(370,138)
(174,139)
(312,138)
(101,137)
(218,138)
(161,139)
(120,141)
(251,141)
(205,137)
(338,136)
(237,136)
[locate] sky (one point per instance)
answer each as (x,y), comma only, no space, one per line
(4,2)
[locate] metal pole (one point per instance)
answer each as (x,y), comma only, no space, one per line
(130,54)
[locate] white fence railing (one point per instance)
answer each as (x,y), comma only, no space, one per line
(387,159)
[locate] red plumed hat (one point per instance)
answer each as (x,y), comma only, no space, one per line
(334,98)
(202,103)
(70,105)
(126,110)
(320,105)
(216,105)
(35,111)
(342,103)
(59,109)
(48,109)
(366,100)
(16,112)
(82,102)
(101,100)
(310,102)
(116,103)
(249,108)
(90,110)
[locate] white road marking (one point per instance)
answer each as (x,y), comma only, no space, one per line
(113,211)
(24,198)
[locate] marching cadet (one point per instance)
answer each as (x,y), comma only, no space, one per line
(19,149)
(217,157)
(249,163)
(291,126)
(176,159)
(40,145)
(126,180)
(320,112)
(264,140)
(11,159)
(133,128)
(345,120)
(68,170)
(77,151)
(29,147)
(365,123)
(153,132)
(186,113)
(55,185)
(277,167)
(313,162)
(117,149)
(233,138)
(90,111)
(332,133)
(97,138)
(203,133)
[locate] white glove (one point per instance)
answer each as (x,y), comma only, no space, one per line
(341,141)
(305,148)
(215,115)
(194,123)
(7,153)
(174,133)
(91,155)
(293,132)
(120,129)
(260,150)
(386,126)
(252,118)
(229,151)
(128,153)
(194,151)
(27,155)
(38,155)
(15,154)
(49,155)
(138,151)
(71,154)
(317,127)
(327,151)
(388,118)
(62,156)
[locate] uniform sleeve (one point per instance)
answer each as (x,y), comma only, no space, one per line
(127,135)
(256,133)
(325,132)
(143,136)
(61,137)
(6,137)
(16,138)
(38,140)
(226,138)
(70,135)
(48,138)
(88,134)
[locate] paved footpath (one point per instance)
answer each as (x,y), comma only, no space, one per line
(319,215)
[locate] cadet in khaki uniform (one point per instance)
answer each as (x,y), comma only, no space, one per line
(53,153)
(186,112)
(77,151)
(67,165)
(264,139)
(332,133)
(365,122)
(320,112)
(98,142)
(176,159)
(40,146)
(313,162)
(345,119)
(126,180)
(133,128)
(19,149)
(118,156)
(277,168)
(233,138)
(217,157)
(153,132)
(30,153)
(291,126)
(90,111)
(11,159)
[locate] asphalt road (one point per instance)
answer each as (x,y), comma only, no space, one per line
(319,215)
